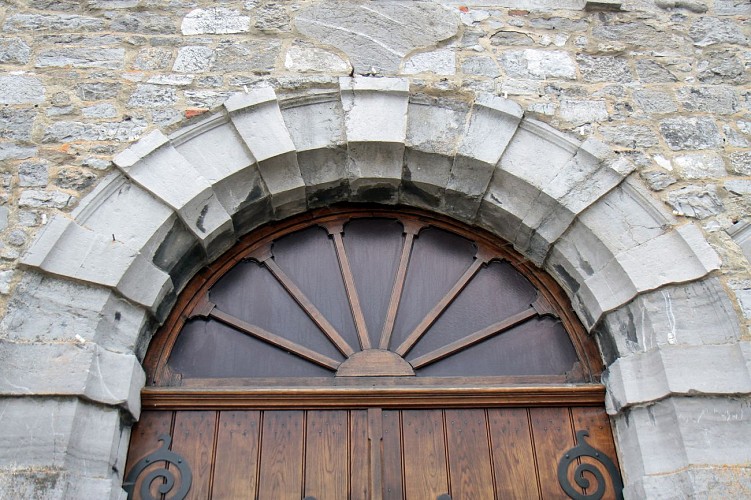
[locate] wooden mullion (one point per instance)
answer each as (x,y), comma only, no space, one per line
(411,228)
(482,257)
(265,257)
(473,338)
(335,230)
(275,340)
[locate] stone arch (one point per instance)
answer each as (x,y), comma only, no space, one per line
(102,279)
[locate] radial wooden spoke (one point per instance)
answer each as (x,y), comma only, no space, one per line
(335,230)
(473,338)
(411,228)
(275,340)
(481,258)
(264,256)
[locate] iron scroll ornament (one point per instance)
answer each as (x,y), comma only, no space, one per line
(583,449)
(166,455)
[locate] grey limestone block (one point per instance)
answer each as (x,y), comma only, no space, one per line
(682,432)
(375,119)
(671,370)
(316,126)
(694,482)
(64,248)
(697,313)
(258,120)
(81,369)
(63,435)
(158,167)
(20,89)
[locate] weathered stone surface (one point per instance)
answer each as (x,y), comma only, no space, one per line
(640,35)
(510,38)
(657,179)
(377,36)
(214,20)
(33,173)
(97,90)
(740,162)
(722,66)
(630,136)
(312,59)
(700,166)
(738,186)
(655,101)
(14,51)
(16,124)
(604,69)
(206,99)
(17,89)
(707,31)
(538,64)
(653,72)
(690,5)
(125,131)
(143,22)
(698,202)
(731,7)
(480,66)
(34,198)
(110,58)
(272,17)
(104,110)
(152,58)
(440,62)
(194,59)
(49,22)
(152,96)
(581,112)
(256,56)
(690,133)
(715,99)
(75,178)
(11,151)
(559,24)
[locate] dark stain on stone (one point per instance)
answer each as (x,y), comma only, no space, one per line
(327,196)
(376,194)
(410,188)
(571,283)
(201,217)
(117,316)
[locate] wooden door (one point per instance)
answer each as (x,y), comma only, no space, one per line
(477,453)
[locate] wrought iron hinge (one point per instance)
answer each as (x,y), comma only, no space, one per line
(583,449)
(163,454)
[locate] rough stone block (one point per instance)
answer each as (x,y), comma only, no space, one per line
(79,369)
(698,313)
(691,133)
(435,125)
(158,167)
(82,57)
(676,370)
(698,202)
(48,309)
(19,89)
(313,59)
(215,21)
(375,109)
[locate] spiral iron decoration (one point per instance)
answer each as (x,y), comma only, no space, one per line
(168,456)
(583,449)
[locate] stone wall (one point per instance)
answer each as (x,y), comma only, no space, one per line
(664,83)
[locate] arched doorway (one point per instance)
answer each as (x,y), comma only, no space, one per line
(373,353)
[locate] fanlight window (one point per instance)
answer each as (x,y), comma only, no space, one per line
(352,295)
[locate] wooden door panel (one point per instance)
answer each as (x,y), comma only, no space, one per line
(237,452)
(424,454)
(513,456)
(506,453)
(282,455)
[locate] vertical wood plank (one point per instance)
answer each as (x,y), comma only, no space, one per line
(193,438)
(425,471)
(236,463)
(375,435)
(281,469)
(393,485)
(469,455)
(596,422)
(551,429)
(144,441)
(359,458)
(326,454)
(513,460)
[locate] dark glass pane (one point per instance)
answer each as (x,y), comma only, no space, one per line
(495,293)
(374,247)
(211,349)
(539,347)
(250,292)
(438,261)
(309,259)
